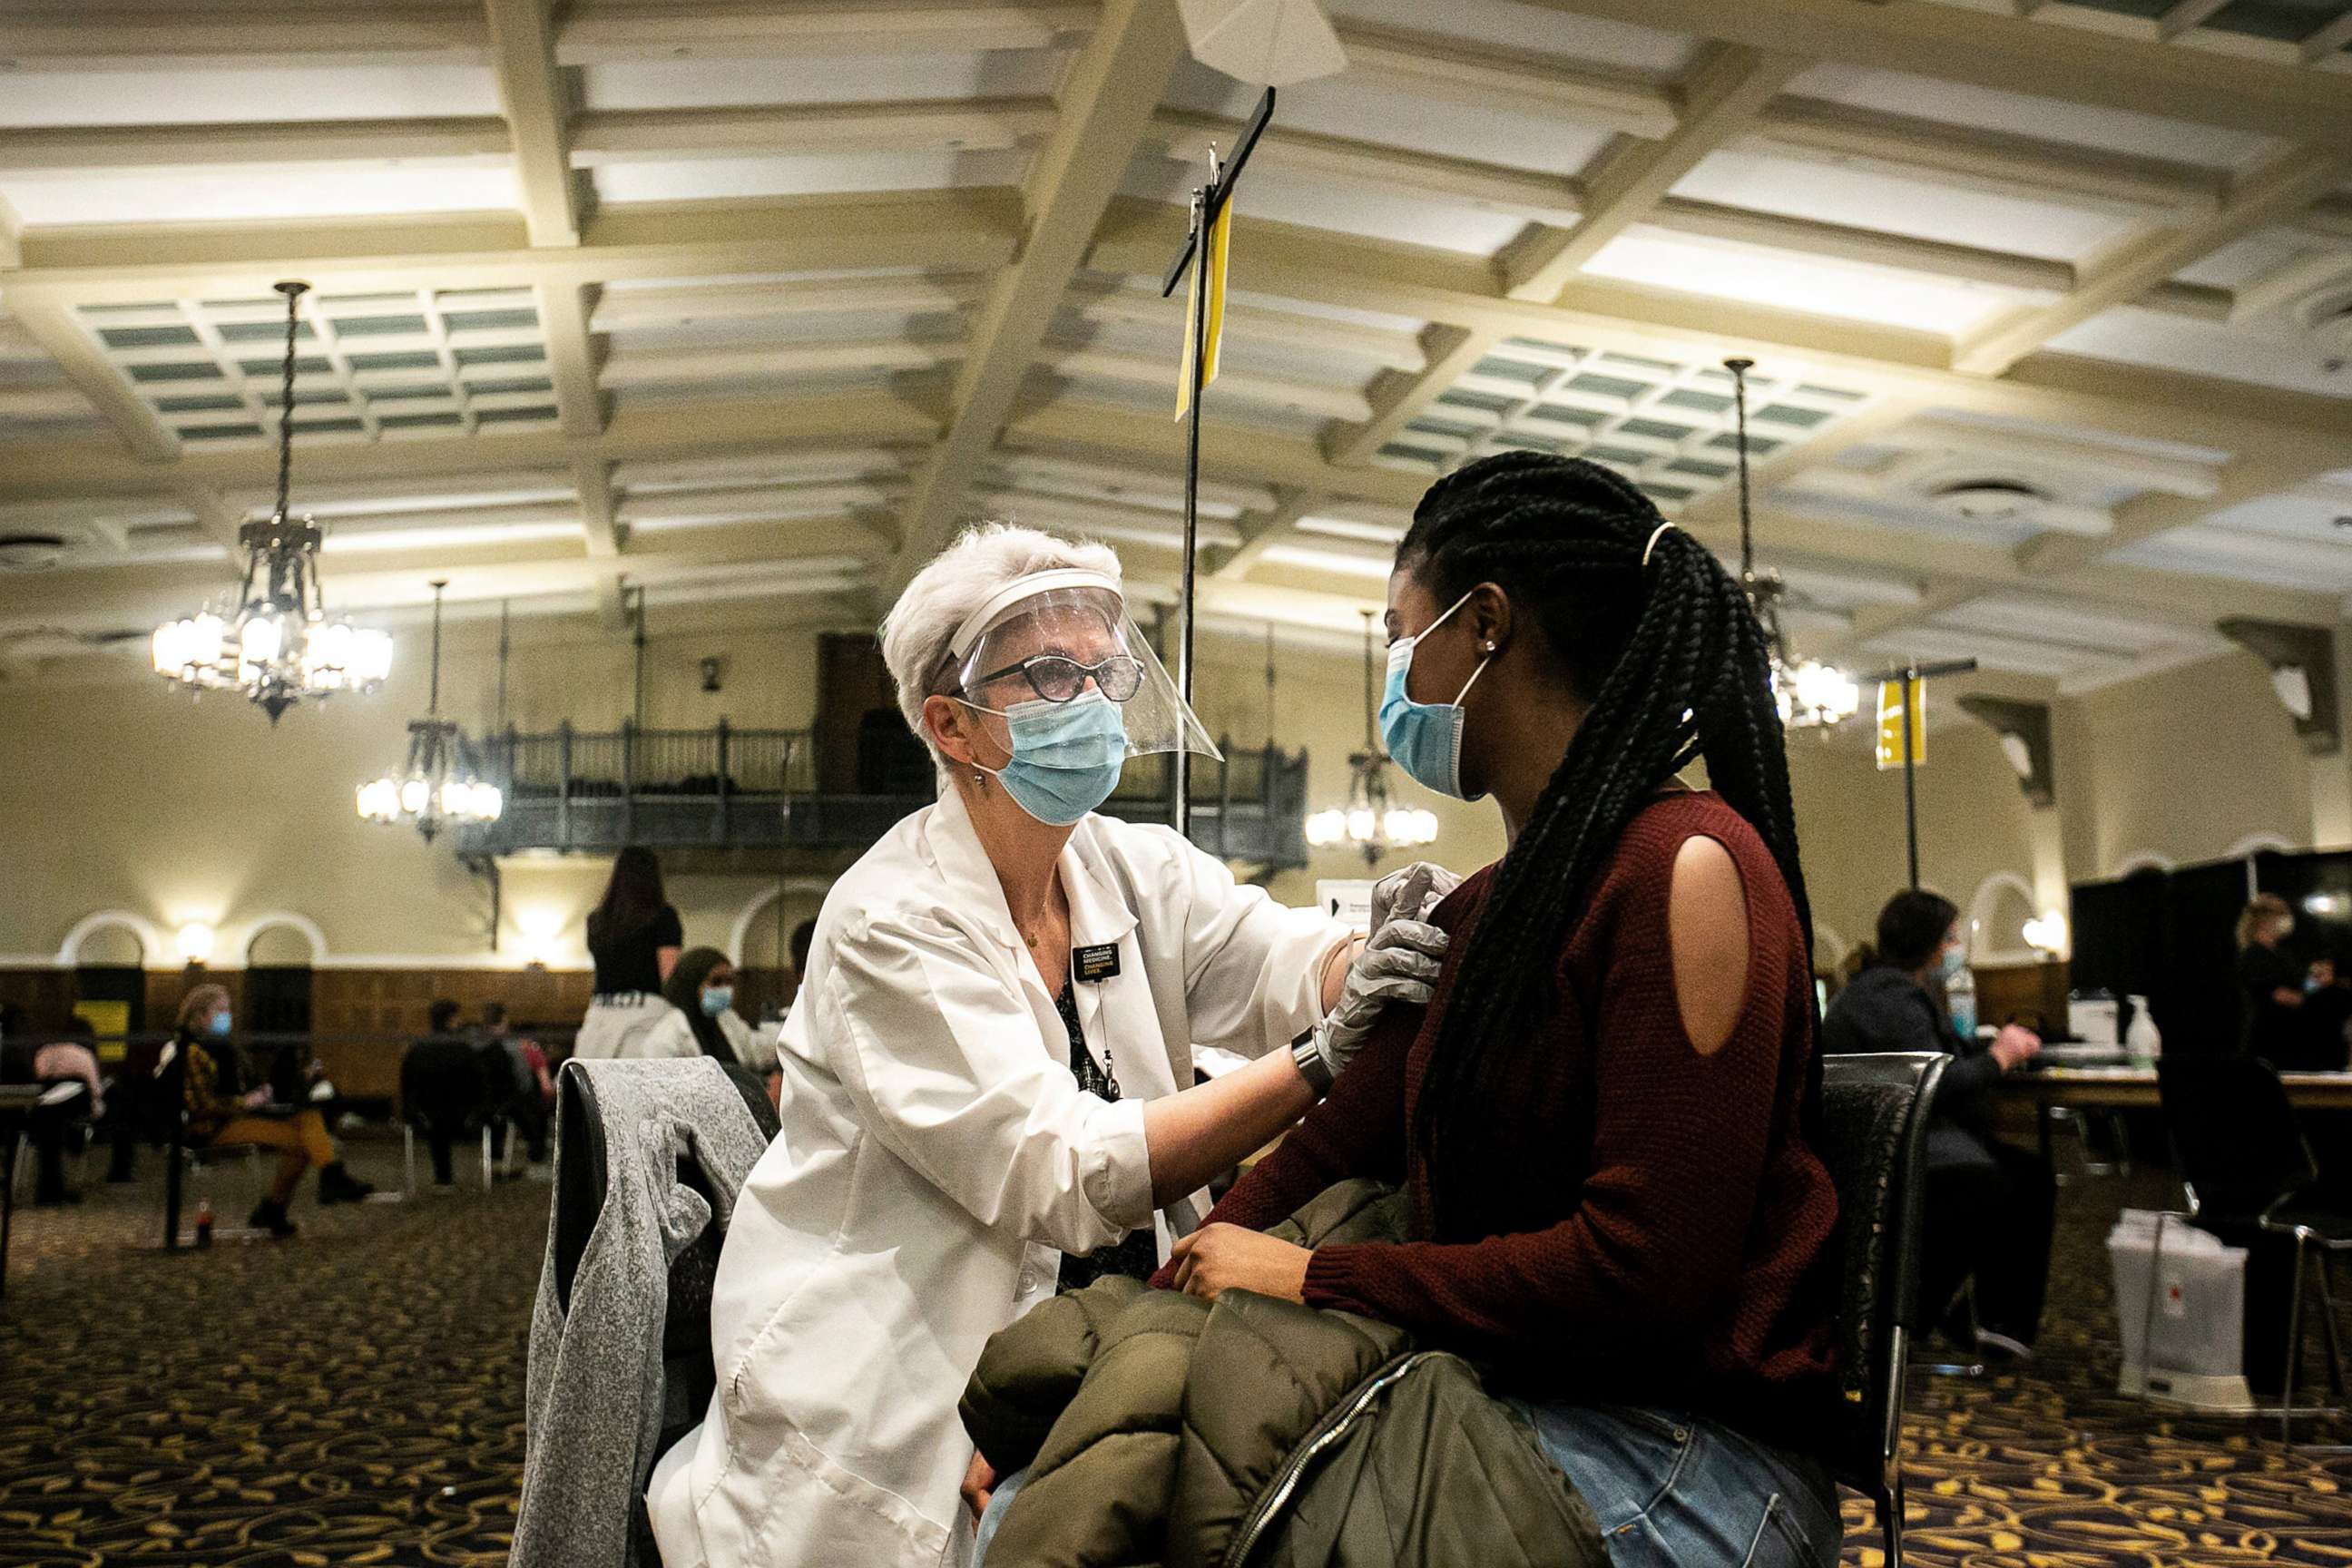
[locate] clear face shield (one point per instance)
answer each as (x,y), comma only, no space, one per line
(1054,640)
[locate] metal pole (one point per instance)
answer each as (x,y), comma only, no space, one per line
(1910,781)
(1194,371)
(505,605)
(639,706)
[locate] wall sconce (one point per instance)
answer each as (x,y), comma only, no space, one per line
(2047,933)
(541,929)
(196,942)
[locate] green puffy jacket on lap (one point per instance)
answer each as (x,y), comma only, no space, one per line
(1159,1429)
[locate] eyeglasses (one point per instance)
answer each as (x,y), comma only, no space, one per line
(1058,678)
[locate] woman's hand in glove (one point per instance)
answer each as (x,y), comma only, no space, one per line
(1399,965)
(1413,893)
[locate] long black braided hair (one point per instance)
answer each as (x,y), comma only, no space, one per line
(1672,666)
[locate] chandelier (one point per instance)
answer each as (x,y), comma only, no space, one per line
(441,782)
(274,640)
(1371,820)
(1808,693)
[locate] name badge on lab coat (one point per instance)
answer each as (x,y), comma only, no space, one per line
(1096,965)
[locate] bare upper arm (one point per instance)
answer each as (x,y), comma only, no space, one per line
(1706,931)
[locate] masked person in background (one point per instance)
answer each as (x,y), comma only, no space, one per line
(224,1114)
(988,1082)
(702,1020)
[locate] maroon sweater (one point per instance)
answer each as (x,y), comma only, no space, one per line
(1665,1235)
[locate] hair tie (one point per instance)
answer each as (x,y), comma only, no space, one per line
(1655,534)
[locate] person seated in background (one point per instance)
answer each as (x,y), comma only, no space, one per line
(2325,1025)
(701,1020)
(1989,1207)
(802,935)
(71,1060)
(533,1096)
(453,1082)
(223,1113)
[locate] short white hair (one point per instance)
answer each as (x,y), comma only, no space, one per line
(949,588)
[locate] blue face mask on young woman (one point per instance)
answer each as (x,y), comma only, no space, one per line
(1425,738)
(219,1026)
(1067,756)
(716,999)
(1954,960)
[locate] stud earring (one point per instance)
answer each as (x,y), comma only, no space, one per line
(1489,647)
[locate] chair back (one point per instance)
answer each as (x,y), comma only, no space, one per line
(1874,1115)
(690,1373)
(2234,1137)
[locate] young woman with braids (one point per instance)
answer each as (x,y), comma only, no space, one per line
(1601,1116)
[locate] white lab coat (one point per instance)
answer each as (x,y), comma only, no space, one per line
(937,1158)
(672,1035)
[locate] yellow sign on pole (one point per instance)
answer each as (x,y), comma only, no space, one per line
(1221,235)
(105,1018)
(1890,723)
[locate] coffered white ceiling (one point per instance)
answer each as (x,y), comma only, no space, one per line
(750,303)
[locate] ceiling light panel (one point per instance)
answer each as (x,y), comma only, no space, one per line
(830,174)
(1967,106)
(1668,426)
(1859,195)
(369,367)
(213,97)
(306,192)
(1758,274)
(2310,362)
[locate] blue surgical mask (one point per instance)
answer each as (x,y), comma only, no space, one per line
(1948,967)
(219,1026)
(716,999)
(1067,756)
(1425,738)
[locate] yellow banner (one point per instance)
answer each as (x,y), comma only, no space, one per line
(1890,723)
(105,1018)
(1221,236)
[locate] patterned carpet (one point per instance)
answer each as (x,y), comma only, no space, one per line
(355,1396)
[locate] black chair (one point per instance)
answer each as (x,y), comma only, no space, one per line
(2245,1164)
(690,1374)
(1875,1142)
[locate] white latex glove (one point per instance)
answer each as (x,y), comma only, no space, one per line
(1411,894)
(1399,965)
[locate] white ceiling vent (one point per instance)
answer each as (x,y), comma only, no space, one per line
(1990,499)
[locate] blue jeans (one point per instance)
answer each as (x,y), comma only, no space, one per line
(1673,1493)
(995,1514)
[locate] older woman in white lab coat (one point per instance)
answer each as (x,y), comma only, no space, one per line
(939,1158)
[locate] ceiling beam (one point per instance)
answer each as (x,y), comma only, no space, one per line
(537,105)
(713,430)
(609,136)
(1449,70)
(699,29)
(1396,171)
(1726,87)
(956,230)
(46,149)
(1107,105)
(2074,64)
(1262,529)
(1978,158)
(591,481)
(1237,452)
(571,357)
(53,326)
(2328,40)
(1398,398)
(77,37)
(2285,184)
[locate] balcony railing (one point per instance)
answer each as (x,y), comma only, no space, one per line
(759,790)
